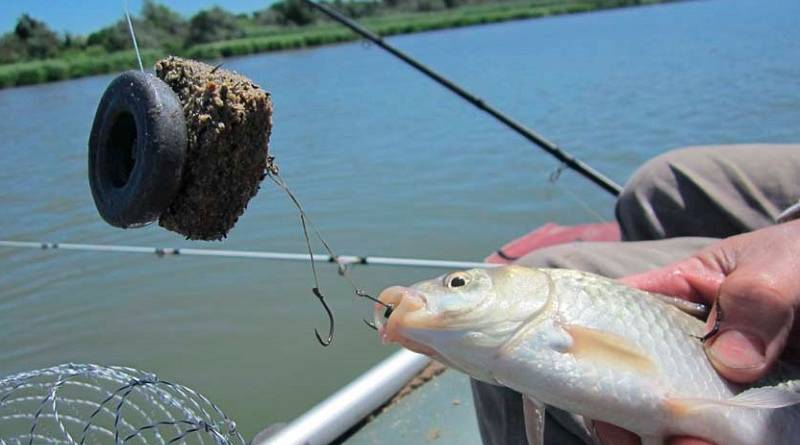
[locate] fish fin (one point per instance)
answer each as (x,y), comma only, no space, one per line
(770,397)
(534,411)
(607,348)
(698,310)
(766,397)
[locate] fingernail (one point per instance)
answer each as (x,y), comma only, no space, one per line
(737,350)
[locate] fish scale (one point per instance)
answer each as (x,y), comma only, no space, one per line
(655,327)
(591,346)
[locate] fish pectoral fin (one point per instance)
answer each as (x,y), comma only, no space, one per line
(534,412)
(770,397)
(766,397)
(608,349)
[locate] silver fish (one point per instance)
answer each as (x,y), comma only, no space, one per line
(590,346)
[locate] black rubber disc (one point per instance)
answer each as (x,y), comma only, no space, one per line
(137,149)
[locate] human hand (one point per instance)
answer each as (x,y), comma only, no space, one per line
(754,279)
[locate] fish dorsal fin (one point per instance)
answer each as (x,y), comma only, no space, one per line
(698,310)
(607,349)
(534,412)
(766,397)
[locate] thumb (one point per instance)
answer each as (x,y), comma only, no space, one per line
(756,317)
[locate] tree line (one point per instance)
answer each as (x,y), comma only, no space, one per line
(158,26)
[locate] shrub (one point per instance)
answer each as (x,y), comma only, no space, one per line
(30,73)
(237,47)
(208,51)
(8,76)
(213,25)
(55,70)
(293,12)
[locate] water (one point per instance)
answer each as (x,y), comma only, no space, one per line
(387,163)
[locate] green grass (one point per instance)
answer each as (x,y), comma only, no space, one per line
(279,38)
(29,73)
(277,42)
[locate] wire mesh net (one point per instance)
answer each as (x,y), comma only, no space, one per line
(90,404)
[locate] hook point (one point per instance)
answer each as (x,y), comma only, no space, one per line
(331,325)
(324,342)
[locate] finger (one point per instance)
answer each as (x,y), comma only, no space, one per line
(694,279)
(687,441)
(613,435)
(757,317)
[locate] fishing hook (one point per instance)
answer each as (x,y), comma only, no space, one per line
(272,172)
(389,307)
(331,321)
(717,321)
(386,313)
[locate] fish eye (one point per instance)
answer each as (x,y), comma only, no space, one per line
(454,280)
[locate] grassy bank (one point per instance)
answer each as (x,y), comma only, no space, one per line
(51,70)
(283,38)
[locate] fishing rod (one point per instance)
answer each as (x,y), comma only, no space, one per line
(567,159)
(340,260)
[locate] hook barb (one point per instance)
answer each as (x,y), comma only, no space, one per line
(331,323)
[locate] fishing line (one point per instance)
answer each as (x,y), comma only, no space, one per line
(133,35)
(553,179)
(305,222)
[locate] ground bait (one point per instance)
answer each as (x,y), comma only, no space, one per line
(229,120)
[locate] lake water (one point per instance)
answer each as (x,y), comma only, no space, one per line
(387,163)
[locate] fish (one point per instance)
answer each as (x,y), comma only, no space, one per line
(591,346)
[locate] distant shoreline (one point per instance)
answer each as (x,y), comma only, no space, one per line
(52,70)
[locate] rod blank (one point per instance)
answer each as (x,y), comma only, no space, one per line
(343,260)
(567,159)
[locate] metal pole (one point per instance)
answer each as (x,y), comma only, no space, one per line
(567,159)
(335,415)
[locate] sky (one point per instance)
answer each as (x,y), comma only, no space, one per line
(85,16)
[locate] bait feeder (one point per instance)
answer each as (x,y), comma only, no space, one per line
(187,147)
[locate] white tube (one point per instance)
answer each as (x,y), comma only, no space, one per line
(332,417)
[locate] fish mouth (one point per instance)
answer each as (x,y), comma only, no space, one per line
(408,310)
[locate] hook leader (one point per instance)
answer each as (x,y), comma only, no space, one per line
(566,158)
